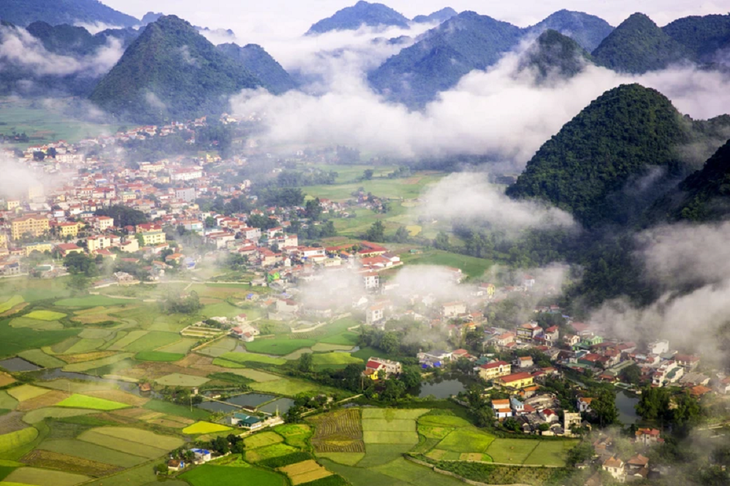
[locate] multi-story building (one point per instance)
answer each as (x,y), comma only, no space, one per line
(96,243)
(69,229)
(153,238)
(39,247)
(186,194)
(495,369)
(29,225)
(3,240)
(103,223)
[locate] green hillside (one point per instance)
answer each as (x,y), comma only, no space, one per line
(254,58)
(554,54)
(55,12)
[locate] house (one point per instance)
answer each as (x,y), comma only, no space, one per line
(571,420)
(528,331)
(247,422)
(517,406)
(495,369)
(549,415)
(175,465)
(451,310)
(584,404)
(648,436)
(505,338)
(615,467)
(242,334)
(371,280)
(502,408)
(201,455)
(516,380)
(375,365)
(637,462)
(524,362)
(552,335)
(375,314)
(687,360)
(433,358)
(658,347)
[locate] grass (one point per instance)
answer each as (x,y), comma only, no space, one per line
(278,346)
(45,315)
(414,474)
(91,452)
(179,379)
(35,416)
(173,409)
(471,266)
(83,401)
(512,451)
(269,452)
(153,340)
(243,358)
(262,439)
(10,303)
(38,357)
(550,453)
(91,301)
(158,356)
(288,387)
(467,440)
(17,339)
(204,428)
(208,475)
(43,477)
(17,439)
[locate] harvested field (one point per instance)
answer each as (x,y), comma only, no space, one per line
(72,464)
(92,452)
(304,472)
(338,431)
(179,379)
(46,400)
(85,357)
(44,477)
(26,392)
(11,422)
(6,379)
(54,412)
(120,396)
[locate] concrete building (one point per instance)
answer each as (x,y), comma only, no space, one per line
(29,225)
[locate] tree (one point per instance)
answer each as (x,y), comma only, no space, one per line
(376,232)
(390,343)
(654,404)
(631,374)
(305,364)
(394,389)
(78,282)
(442,241)
(604,406)
(123,215)
(38,156)
(401,234)
(411,376)
(210,222)
(368,174)
(687,409)
(313,209)
(80,263)
(543,427)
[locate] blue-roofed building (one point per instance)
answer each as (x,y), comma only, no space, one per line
(201,455)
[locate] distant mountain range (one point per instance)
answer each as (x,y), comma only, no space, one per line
(554,56)
(171,71)
(618,139)
(439,16)
(362,13)
(586,30)
(56,12)
(254,58)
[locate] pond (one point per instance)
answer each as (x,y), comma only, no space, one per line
(217,407)
(625,402)
(282,405)
(18,364)
(443,388)
(250,399)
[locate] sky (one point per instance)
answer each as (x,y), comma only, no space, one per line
(277,19)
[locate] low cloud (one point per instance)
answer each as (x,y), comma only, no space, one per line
(500,112)
(470,198)
(20,49)
(17,178)
(96,27)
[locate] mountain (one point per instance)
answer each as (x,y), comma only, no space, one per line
(443,55)
(439,16)
(171,71)
(702,36)
(362,13)
(706,193)
(69,40)
(254,58)
(554,54)
(586,30)
(637,46)
(615,140)
(150,17)
(55,12)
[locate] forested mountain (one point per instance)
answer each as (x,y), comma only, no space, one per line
(617,138)
(70,40)
(444,54)
(362,13)
(150,17)
(706,193)
(254,58)
(702,36)
(586,30)
(554,55)
(55,12)
(439,16)
(637,46)
(171,71)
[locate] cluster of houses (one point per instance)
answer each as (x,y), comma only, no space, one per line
(623,466)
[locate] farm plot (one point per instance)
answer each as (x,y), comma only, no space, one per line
(305,472)
(16,440)
(333,360)
(511,451)
(378,454)
(269,452)
(182,346)
(44,477)
(97,363)
(40,414)
(38,357)
(339,431)
(84,401)
(119,396)
(390,426)
(255,375)
(219,348)
(46,400)
(26,392)
(128,339)
(11,422)
(122,445)
(168,408)
(153,340)
(141,436)
(10,303)
(280,346)
(550,453)
(262,439)
(5,380)
(91,301)
(45,315)
(35,324)
(414,474)
(209,475)
(294,434)
(72,464)
(85,346)
(158,356)
(7,402)
(179,379)
(288,387)
(91,452)
(243,358)
(466,440)
(204,428)
(346,458)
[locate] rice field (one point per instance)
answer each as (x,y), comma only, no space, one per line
(44,477)
(67,463)
(45,315)
(92,452)
(179,379)
(35,324)
(15,440)
(243,358)
(38,357)
(346,458)
(279,346)
(209,475)
(10,303)
(97,363)
(262,439)
(339,431)
(305,472)
(269,452)
(40,414)
(288,387)
(152,340)
(204,428)
(122,445)
(26,392)
(158,356)
(93,403)
(467,440)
